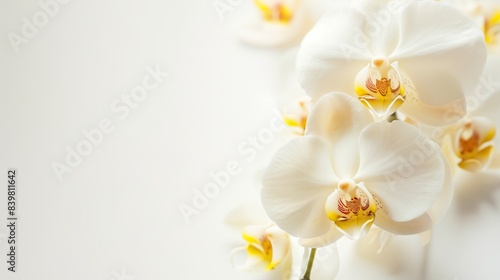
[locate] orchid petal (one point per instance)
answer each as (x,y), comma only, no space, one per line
(296,185)
(444,58)
(324,240)
(379,238)
(332,53)
(252,263)
(414,226)
(249,213)
(280,244)
(495,161)
(484,99)
(339,119)
(425,237)
(434,115)
(440,207)
(401,168)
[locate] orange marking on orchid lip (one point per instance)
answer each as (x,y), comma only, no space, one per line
(349,206)
(353,205)
(266,245)
(469,140)
(382,86)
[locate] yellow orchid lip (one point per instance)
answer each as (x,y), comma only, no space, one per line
(260,246)
(351,208)
(379,86)
(275,13)
(262,250)
(492,28)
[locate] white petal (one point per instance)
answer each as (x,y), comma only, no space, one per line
(443,202)
(339,119)
(379,238)
(484,102)
(249,213)
(414,226)
(296,185)
(448,151)
(489,109)
(382,31)
(441,49)
(489,84)
(495,161)
(280,244)
(332,53)
(251,263)
(434,115)
(297,252)
(401,168)
(426,237)
(324,240)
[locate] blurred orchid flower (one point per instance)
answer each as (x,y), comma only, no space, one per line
(272,251)
(281,23)
(418,57)
(348,173)
(267,247)
(470,143)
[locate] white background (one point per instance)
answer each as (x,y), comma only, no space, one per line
(118,211)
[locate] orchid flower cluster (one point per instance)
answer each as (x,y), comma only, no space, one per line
(402,95)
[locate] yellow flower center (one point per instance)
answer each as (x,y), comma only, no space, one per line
(266,247)
(468,141)
(351,208)
(473,145)
(276,13)
(379,86)
(262,249)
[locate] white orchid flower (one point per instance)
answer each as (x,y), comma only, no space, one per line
(419,57)
(267,247)
(281,23)
(270,250)
(470,143)
(348,173)
(278,23)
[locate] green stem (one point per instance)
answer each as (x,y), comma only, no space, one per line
(307,275)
